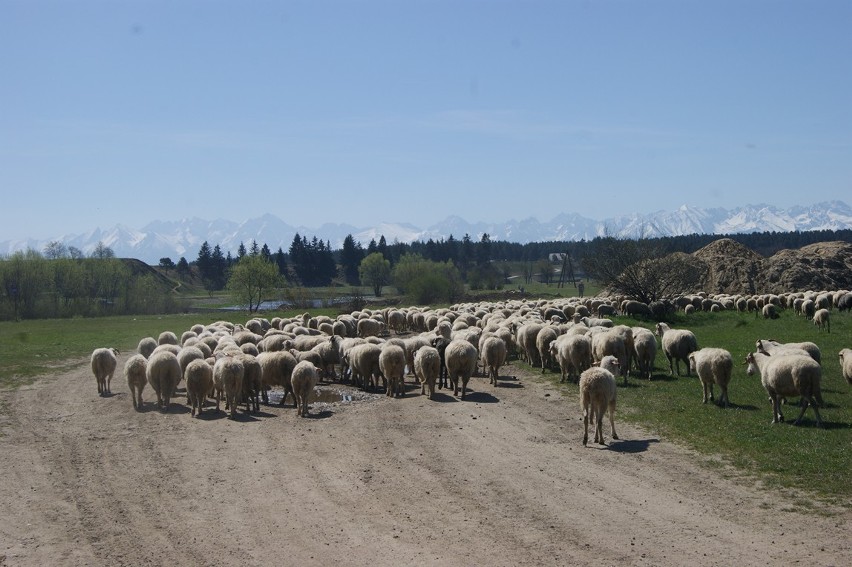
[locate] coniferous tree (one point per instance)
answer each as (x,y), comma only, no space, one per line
(350,258)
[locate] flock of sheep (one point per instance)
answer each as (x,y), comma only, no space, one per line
(445,347)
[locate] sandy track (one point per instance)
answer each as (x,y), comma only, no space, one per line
(499,479)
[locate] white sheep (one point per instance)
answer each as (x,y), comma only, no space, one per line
(228,372)
(460,358)
(304,380)
(493,357)
(822,320)
(790,375)
(134,372)
(677,344)
(252,382)
(597,397)
(545,336)
(427,366)
(146,346)
(392,367)
(610,343)
(199,382)
(276,369)
(167,338)
(713,366)
(364,364)
(846,364)
(103,367)
(769,346)
(644,350)
(163,373)
(573,353)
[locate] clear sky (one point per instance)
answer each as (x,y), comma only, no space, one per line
(408,111)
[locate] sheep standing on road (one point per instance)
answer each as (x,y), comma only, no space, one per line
(461,357)
(493,357)
(597,395)
(427,366)
(163,374)
(199,382)
(392,367)
(229,372)
(134,372)
(713,366)
(304,381)
(789,375)
(677,344)
(103,367)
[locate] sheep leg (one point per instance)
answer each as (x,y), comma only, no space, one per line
(704,400)
(585,426)
(599,428)
(671,367)
(612,420)
(711,392)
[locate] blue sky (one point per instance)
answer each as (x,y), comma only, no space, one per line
(391,111)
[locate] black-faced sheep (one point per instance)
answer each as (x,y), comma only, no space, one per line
(677,344)
(103,367)
(713,366)
(597,397)
(784,376)
(163,373)
(304,381)
(134,372)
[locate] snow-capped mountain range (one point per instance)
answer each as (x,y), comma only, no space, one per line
(183,238)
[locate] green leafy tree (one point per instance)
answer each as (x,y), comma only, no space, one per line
(375,272)
(250,279)
(424,281)
(166,263)
(25,276)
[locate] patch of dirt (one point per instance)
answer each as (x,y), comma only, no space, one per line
(500,478)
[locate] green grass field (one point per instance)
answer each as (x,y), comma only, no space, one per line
(804,457)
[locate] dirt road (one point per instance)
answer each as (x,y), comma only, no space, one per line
(498,479)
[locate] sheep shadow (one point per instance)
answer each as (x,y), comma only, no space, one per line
(108,395)
(443,398)
(835,425)
(509,384)
(324,414)
(175,408)
(631,446)
(480,398)
(733,406)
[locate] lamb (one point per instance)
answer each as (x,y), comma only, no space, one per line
(821,320)
(134,372)
(146,346)
(392,367)
(791,375)
(276,369)
(229,371)
(846,364)
(493,357)
(677,344)
(573,353)
(199,382)
(304,381)
(103,367)
(163,373)
(644,350)
(713,366)
(461,357)
(427,366)
(597,394)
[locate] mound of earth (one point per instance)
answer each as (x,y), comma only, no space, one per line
(731,267)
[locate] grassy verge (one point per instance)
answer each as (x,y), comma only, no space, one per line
(781,455)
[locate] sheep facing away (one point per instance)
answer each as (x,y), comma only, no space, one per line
(199,382)
(392,367)
(134,372)
(677,344)
(304,380)
(103,367)
(822,320)
(597,397)
(427,366)
(788,376)
(229,372)
(461,357)
(163,373)
(493,357)
(713,366)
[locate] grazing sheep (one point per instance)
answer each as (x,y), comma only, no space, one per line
(103,367)
(493,357)
(163,373)
(460,357)
(791,375)
(597,395)
(146,346)
(644,350)
(427,366)
(134,372)
(229,372)
(276,369)
(677,344)
(770,311)
(543,339)
(713,366)
(392,367)
(822,320)
(846,364)
(636,309)
(304,381)
(370,328)
(199,382)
